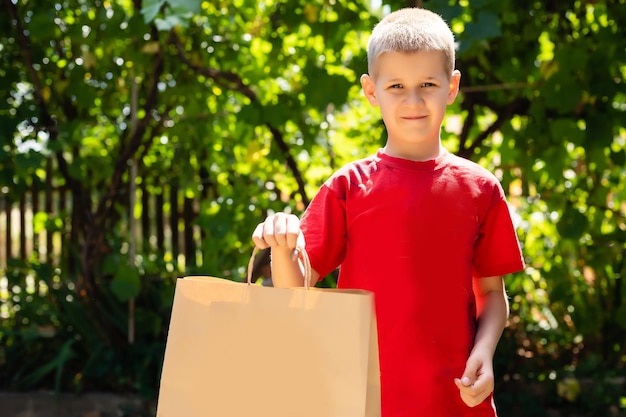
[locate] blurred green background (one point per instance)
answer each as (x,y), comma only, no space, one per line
(141,141)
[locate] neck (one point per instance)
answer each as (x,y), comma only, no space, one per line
(414,153)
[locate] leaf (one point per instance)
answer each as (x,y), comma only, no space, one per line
(192,6)
(561,92)
(572,223)
(566,130)
(486,26)
(126,283)
(172,21)
(151,48)
(568,388)
(150,9)
(324,88)
(148,322)
(599,130)
(618,157)
(57,363)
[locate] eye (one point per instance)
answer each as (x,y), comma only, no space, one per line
(395,86)
(429,85)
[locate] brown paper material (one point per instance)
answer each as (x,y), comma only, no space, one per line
(240,350)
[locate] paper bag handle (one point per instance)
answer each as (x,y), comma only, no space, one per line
(301,254)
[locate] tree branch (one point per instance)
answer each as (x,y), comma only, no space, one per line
(45,118)
(136,138)
(467,125)
(520,105)
(232,81)
(498,87)
(24,44)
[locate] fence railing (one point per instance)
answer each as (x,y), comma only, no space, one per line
(37,226)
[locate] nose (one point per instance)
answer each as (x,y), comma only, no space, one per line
(414,97)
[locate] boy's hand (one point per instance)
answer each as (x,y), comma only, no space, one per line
(280,230)
(477,381)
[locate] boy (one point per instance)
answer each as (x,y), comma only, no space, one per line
(429,233)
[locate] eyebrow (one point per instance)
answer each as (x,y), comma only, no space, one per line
(396,79)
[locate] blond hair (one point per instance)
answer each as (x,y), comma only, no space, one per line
(411,30)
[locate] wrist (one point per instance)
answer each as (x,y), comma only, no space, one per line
(282,252)
(483,348)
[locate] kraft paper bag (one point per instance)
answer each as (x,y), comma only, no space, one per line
(242,350)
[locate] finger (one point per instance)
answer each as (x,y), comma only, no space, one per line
(473,396)
(286,229)
(469,395)
(470,401)
(257,237)
(269,231)
(477,392)
(485,384)
(462,383)
(280,229)
(293,231)
(472,368)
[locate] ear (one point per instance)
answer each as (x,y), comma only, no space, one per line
(369,89)
(455,81)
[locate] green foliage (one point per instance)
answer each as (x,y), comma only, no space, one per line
(126,282)
(246,107)
(51,342)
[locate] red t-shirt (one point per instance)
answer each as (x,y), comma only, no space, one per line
(415,233)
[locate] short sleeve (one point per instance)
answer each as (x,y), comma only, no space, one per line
(497,250)
(324,227)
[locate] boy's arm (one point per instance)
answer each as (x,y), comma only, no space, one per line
(492,310)
(281,232)
(287,270)
(492,307)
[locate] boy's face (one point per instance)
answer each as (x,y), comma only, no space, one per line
(412,91)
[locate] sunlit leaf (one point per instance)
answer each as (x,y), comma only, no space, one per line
(151,8)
